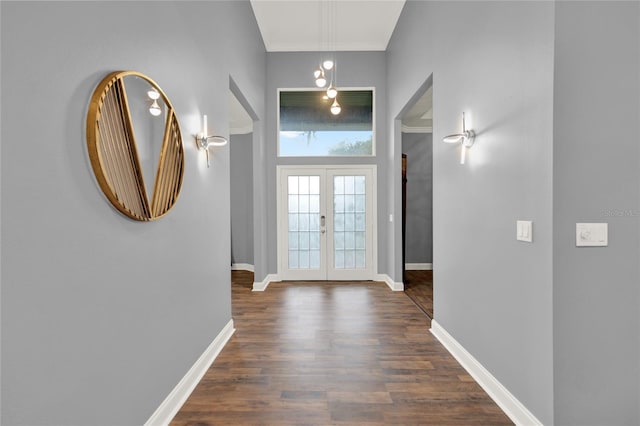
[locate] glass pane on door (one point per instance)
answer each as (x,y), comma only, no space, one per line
(349,222)
(303,200)
(326,219)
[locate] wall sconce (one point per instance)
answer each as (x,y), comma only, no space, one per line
(466,138)
(205,141)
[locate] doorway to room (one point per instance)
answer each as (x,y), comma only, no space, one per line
(326,222)
(241,140)
(417,197)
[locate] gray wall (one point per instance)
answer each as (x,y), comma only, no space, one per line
(596,179)
(101,315)
(419,235)
(355,69)
(491,293)
(241,157)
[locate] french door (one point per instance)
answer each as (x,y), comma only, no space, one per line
(326,222)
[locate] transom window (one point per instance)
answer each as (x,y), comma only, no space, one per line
(307,128)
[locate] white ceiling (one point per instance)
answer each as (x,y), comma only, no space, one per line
(326,25)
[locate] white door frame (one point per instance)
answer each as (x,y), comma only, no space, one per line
(369,273)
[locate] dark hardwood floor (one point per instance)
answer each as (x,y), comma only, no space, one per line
(418,285)
(334,353)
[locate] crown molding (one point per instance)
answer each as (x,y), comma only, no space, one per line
(416,129)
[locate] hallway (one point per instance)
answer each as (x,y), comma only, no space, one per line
(333,353)
(418,285)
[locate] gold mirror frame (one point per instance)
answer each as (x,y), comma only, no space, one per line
(114,155)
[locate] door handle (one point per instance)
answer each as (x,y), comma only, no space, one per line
(322,223)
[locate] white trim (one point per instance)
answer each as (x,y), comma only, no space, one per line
(178,396)
(387,280)
(418,266)
(513,408)
(360,46)
(242,267)
(416,129)
(262,286)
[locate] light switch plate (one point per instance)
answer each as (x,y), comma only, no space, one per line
(524,230)
(592,234)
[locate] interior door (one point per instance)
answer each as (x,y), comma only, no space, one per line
(326,221)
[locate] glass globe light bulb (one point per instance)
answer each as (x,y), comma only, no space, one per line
(332,92)
(321,81)
(335,107)
(155,109)
(327,64)
(153,94)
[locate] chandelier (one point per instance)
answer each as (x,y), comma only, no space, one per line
(328,65)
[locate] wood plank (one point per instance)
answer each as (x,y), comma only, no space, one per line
(418,286)
(334,353)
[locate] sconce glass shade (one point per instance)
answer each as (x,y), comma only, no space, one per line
(463,153)
(155,109)
(466,138)
(332,92)
(453,138)
(318,72)
(153,94)
(327,64)
(335,107)
(216,141)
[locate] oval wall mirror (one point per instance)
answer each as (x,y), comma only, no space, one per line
(135,145)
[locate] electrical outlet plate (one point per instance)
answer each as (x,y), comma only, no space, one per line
(592,234)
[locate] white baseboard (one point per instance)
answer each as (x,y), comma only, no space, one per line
(242,267)
(178,396)
(262,286)
(513,408)
(392,285)
(418,266)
